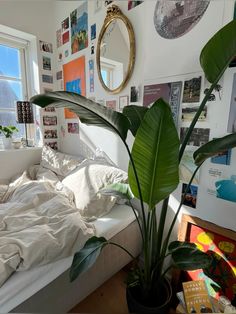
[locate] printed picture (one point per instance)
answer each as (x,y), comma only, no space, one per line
(91,76)
(93,31)
(223,158)
(52,145)
(123,102)
(49,109)
(190,196)
(111,104)
(47,79)
(79,28)
(187,166)
(46,47)
(192,90)
(50,134)
(170,92)
(65,37)
(49,120)
(73,128)
(226,189)
(66,53)
(232,112)
(59,38)
(65,24)
(189,112)
(47,63)
(133,4)
(59,75)
(134,94)
(198,137)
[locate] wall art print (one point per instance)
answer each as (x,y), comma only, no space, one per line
(59,38)
(192,90)
(74,80)
(79,28)
(91,76)
(170,92)
(173,19)
(218,242)
(132,4)
(73,128)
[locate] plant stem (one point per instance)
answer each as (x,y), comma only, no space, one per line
(121,247)
(195,119)
(137,218)
(164,249)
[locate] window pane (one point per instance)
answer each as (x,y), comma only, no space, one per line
(104,77)
(9,118)
(10,92)
(9,61)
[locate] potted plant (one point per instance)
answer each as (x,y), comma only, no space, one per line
(152,177)
(7,131)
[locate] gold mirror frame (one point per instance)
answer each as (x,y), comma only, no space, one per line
(113,13)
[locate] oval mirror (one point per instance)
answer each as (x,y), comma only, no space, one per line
(115,51)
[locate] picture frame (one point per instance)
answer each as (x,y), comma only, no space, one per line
(123,101)
(220,243)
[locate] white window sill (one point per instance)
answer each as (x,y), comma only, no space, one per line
(3,150)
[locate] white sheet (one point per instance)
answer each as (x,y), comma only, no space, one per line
(22,285)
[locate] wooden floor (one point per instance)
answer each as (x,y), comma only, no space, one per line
(107,299)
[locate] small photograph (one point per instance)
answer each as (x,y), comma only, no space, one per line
(189,112)
(223,158)
(92,49)
(66,53)
(93,31)
(49,120)
(47,79)
(46,47)
(73,128)
(190,199)
(52,145)
(65,37)
(198,138)
(134,94)
(47,63)
(49,109)
(106,3)
(123,102)
(192,90)
(59,75)
(65,24)
(133,4)
(59,38)
(111,104)
(50,134)
(60,57)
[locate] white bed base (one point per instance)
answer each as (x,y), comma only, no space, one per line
(61,295)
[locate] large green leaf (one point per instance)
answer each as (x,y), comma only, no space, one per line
(135,114)
(89,112)
(218,52)
(190,258)
(155,154)
(176,245)
(87,256)
(214,148)
(121,190)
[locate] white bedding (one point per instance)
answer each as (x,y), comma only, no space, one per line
(39,223)
(22,285)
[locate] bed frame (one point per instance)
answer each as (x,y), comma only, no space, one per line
(61,295)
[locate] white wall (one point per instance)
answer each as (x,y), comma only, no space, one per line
(159,60)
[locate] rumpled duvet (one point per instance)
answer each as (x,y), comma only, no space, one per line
(39,223)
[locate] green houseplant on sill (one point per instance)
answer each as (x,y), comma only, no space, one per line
(7,131)
(153,176)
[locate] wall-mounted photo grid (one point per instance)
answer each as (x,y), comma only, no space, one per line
(184,94)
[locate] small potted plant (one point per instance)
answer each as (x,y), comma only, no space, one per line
(7,131)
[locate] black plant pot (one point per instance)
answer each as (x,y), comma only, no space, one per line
(135,306)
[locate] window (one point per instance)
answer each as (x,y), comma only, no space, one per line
(13,85)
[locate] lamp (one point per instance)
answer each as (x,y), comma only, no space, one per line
(24,114)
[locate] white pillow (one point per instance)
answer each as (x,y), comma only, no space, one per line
(60,163)
(90,177)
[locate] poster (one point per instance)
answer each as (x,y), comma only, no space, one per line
(175,18)
(93,31)
(170,92)
(47,63)
(188,112)
(65,37)
(111,104)
(45,47)
(190,198)
(79,28)
(192,90)
(74,80)
(91,76)
(232,112)
(198,137)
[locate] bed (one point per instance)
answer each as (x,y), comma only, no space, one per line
(47,287)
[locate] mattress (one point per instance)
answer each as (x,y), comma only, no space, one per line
(24,284)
